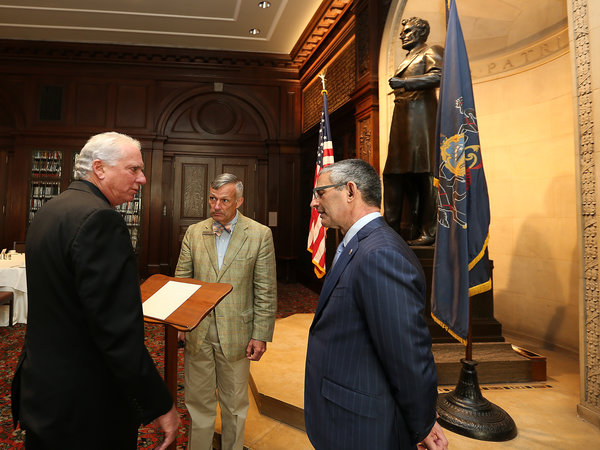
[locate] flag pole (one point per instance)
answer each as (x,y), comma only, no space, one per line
(469,347)
(468,271)
(317,233)
(324,90)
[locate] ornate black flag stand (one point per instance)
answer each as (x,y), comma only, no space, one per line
(465,411)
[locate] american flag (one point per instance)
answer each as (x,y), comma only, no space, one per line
(317,232)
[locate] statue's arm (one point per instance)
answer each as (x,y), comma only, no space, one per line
(432,61)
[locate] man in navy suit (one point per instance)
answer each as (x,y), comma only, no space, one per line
(370,377)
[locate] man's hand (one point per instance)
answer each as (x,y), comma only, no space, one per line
(435,440)
(169,423)
(396,83)
(255,349)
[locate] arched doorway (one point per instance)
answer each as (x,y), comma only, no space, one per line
(206,134)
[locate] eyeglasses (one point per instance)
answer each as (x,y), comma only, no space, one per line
(319,190)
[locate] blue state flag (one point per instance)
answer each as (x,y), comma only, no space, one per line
(461,266)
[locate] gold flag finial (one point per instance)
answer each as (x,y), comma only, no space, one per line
(322,77)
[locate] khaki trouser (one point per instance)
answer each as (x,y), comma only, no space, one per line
(207,373)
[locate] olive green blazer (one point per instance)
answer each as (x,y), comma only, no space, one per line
(248,311)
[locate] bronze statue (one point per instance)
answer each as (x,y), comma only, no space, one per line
(407,176)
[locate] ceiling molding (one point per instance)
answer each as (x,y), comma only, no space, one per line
(326,17)
(139,55)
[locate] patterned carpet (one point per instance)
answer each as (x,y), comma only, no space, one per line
(292,299)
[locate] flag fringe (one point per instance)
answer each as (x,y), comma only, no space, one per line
(483,287)
(481,253)
(319,271)
(445,327)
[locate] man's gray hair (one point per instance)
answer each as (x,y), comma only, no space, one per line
(362,174)
(107,147)
(420,24)
(228,178)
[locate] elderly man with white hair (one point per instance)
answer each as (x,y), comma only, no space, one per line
(85,378)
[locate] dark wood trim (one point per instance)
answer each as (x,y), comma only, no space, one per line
(132,55)
(316,32)
(329,46)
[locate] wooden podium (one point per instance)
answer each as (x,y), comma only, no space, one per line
(185,318)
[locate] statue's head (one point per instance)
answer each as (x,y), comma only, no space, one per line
(414,31)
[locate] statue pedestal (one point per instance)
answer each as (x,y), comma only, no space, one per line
(484,327)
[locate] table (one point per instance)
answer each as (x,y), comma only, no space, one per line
(13,278)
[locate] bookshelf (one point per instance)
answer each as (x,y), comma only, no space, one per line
(47,181)
(46,178)
(132,214)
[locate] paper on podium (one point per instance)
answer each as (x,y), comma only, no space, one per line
(168,298)
(180,302)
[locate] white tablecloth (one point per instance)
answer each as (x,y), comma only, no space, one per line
(13,278)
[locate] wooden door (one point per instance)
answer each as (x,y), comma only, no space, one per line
(245,170)
(192,178)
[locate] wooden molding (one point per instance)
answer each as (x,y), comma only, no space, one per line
(324,20)
(138,55)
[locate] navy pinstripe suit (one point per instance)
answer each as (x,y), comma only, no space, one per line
(370,377)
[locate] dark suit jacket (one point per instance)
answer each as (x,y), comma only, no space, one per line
(370,377)
(411,148)
(85,378)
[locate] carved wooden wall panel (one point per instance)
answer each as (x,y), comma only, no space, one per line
(183,122)
(362,39)
(365,143)
(245,169)
(190,193)
(193,200)
(290,170)
(290,104)
(340,84)
(87,94)
(132,106)
(215,116)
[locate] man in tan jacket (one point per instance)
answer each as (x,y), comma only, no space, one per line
(227,248)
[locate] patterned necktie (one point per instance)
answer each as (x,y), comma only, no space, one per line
(218,228)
